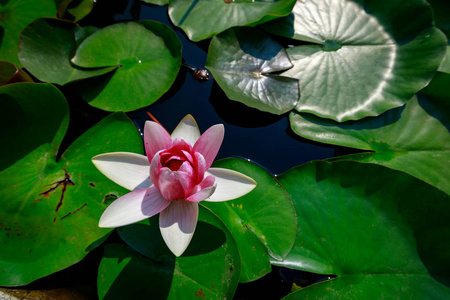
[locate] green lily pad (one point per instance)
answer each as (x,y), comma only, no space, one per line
(148,57)
(384,233)
(74,10)
(243,62)
(14,16)
(445,64)
(209,269)
(157,2)
(370,56)
(46,47)
(414,139)
(10,73)
(50,208)
(263,222)
(205,18)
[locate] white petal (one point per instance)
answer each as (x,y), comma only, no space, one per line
(230,184)
(129,170)
(187,129)
(177,223)
(133,207)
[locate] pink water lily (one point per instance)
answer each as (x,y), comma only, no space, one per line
(175,175)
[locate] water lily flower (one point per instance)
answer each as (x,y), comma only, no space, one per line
(171,180)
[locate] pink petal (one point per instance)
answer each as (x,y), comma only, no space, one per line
(200,166)
(156,138)
(155,167)
(204,190)
(209,143)
(169,185)
(177,224)
(133,207)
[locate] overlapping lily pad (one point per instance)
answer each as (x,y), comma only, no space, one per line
(370,55)
(209,269)
(46,47)
(382,232)
(148,57)
(245,63)
(157,2)
(414,139)
(263,222)
(74,10)
(14,16)
(50,209)
(205,18)
(10,73)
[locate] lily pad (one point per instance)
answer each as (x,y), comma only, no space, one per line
(384,233)
(205,18)
(263,222)
(10,73)
(14,16)
(208,269)
(46,47)
(244,62)
(74,10)
(414,139)
(370,56)
(157,2)
(50,208)
(147,55)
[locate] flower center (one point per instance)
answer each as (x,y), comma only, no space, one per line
(173,164)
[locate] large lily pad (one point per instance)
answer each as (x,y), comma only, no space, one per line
(243,62)
(46,47)
(263,222)
(50,209)
(202,19)
(148,57)
(370,56)
(14,16)
(414,139)
(382,232)
(209,269)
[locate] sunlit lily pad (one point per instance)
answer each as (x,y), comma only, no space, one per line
(370,55)
(10,73)
(414,139)
(244,62)
(384,233)
(14,16)
(46,47)
(209,269)
(50,209)
(205,18)
(263,222)
(148,57)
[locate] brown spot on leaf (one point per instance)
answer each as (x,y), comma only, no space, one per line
(63,183)
(108,198)
(91,184)
(200,293)
(71,213)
